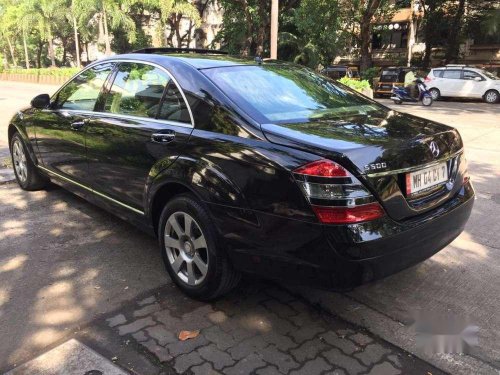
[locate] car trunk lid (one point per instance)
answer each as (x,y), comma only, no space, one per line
(380,148)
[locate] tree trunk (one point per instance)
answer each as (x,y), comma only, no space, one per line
(106,32)
(263,26)
(177,26)
(51,52)
(366,34)
(12,52)
(87,51)
(65,53)
(452,51)
(190,30)
(365,50)
(77,44)
(39,55)
(427,54)
(5,60)
(247,44)
(26,56)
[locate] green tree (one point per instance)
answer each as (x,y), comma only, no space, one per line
(246,24)
(49,14)
(8,22)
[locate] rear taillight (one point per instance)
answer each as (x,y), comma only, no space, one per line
(348,215)
(428,79)
(336,196)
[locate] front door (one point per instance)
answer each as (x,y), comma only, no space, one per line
(61,129)
(143,119)
(474,85)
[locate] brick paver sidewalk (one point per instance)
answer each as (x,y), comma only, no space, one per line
(260,329)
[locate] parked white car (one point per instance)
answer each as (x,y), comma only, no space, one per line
(462,81)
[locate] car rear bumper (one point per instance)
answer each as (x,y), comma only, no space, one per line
(341,257)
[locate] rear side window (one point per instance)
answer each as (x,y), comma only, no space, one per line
(82,92)
(438,73)
(137,90)
(173,107)
(452,74)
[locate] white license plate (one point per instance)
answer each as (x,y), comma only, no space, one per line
(426,178)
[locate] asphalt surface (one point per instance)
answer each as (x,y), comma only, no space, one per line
(65,263)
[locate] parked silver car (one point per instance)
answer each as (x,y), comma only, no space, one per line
(462,81)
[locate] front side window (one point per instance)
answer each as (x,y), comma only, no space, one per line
(82,92)
(470,75)
(452,74)
(137,90)
(281,93)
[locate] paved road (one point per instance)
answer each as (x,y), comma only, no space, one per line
(66,267)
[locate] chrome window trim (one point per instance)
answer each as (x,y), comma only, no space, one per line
(91,190)
(118,60)
(126,117)
(415,168)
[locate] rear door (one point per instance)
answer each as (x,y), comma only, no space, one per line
(452,83)
(142,118)
(61,129)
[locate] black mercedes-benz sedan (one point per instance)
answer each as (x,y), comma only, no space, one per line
(248,166)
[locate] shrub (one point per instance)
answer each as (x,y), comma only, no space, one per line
(57,72)
(355,84)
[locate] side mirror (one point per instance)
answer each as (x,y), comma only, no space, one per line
(40,101)
(478,79)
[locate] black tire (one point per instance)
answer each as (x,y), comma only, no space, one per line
(491,96)
(28,177)
(221,276)
(427,101)
(435,93)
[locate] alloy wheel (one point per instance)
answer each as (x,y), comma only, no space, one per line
(434,94)
(491,97)
(19,160)
(186,248)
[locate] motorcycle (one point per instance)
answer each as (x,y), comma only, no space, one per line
(400,95)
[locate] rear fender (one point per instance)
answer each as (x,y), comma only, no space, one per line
(203,178)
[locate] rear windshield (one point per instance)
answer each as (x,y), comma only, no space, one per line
(389,76)
(284,94)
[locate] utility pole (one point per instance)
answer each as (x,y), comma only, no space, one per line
(274,29)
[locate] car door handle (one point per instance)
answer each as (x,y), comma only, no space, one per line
(163,137)
(77,125)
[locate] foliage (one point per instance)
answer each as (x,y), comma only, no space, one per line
(319,44)
(59,72)
(355,84)
(312,32)
(369,74)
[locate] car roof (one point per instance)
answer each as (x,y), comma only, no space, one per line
(196,60)
(457,67)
